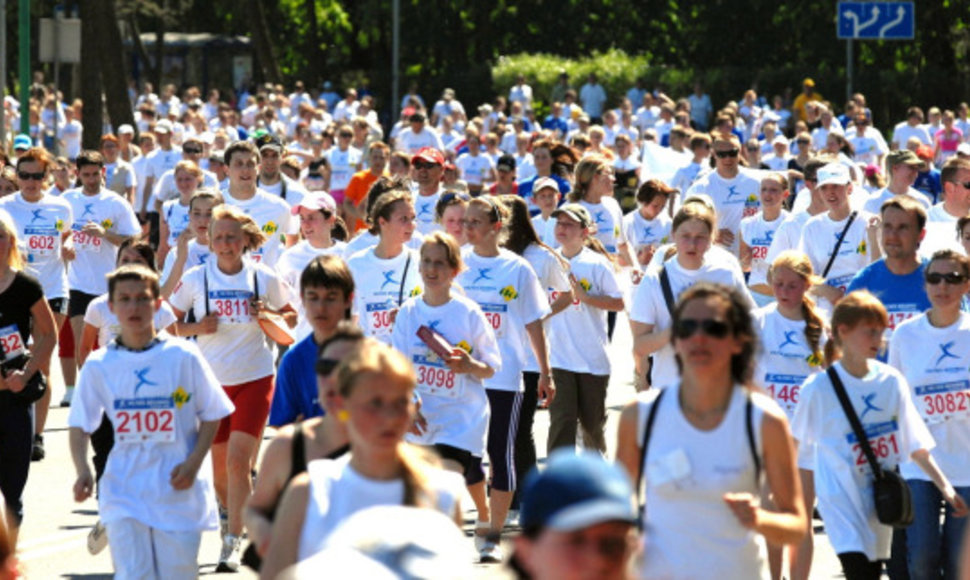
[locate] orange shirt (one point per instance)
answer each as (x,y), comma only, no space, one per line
(357,190)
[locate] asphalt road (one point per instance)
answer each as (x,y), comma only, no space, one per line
(53,536)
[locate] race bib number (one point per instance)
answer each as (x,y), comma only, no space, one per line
(943,401)
(897,318)
(759,253)
(884,440)
(256,255)
(554,295)
(84,241)
(380,317)
(784,390)
(435,378)
(142,420)
(41,242)
(11,342)
(497,316)
(840,282)
(231,306)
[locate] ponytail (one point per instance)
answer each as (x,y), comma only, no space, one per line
(415,465)
(813,332)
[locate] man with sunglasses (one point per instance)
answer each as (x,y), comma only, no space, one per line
(427,166)
(942,217)
(270,179)
(734,190)
(119,175)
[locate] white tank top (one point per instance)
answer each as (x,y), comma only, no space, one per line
(689,532)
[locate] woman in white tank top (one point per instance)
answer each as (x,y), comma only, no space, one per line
(710,440)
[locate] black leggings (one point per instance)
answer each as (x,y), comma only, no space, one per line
(16,444)
(525,443)
(858,566)
(102,440)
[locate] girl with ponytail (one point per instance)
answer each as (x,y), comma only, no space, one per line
(376,387)
(792,335)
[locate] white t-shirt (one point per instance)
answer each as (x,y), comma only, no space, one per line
(474,168)
(337,492)
(165,189)
(577,336)
(508,292)
(758,234)
(640,232)
(608,218)
(733,198)
(237,351)
(553,279)
(343,165)
(273,217)
(649,306)
(903,131)
(867,147)
(525,167)
(843,479)
(941,232)
(381,286)
(159,161)
(412,142)
(455,405)
(788,234)
(934,362)
(818,240)
(99,315)
(156,400)
(874,202)
(290,267)
(546,230)
(365,240)
(785,359)
(95,257)
(198,254)
(686,474)
(295,192)
(41,226)
(424,211)
(176,217)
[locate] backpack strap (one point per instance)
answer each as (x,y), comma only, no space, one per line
(651,417)
(752,442)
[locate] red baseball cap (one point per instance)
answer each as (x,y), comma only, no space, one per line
(429,154)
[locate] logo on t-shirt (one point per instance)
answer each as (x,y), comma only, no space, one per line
(861,249)
(464,346)
(389,279)
(106,224)
(180,397)
(789,339)
(88,209)
(483,274)
(870,406)
(36,215)
(270,228)
(140,374)
(509,293)
(945,352)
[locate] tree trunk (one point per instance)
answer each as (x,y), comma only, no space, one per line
(149,69)
(91,117)
(160,48)
(114,73)
(262,42)
(312,45)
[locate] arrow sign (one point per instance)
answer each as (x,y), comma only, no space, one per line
(876,20)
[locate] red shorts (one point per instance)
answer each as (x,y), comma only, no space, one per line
(65,340)
(252,402)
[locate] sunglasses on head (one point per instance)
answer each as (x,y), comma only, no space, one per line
(727,153)
(325,366)
(452,196)
(688,327)
(934,278)
(24,175)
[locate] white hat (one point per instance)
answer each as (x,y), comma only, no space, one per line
(963,149)
(163,126)
(126,129)
(833,173)
(780,140)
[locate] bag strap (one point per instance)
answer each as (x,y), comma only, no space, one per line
(850,414)
(752,445)
(205,287)
(255,285)
(651,416)
(404,275)
(838,244)
(668,293)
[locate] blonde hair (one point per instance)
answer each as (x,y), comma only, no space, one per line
(586,170)
(859,307)
(372,357)
(250,229)
(799,264)
(15,260)
(189,167)
(450,245)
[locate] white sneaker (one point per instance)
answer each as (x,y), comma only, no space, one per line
(68,395)
(231,554)
(97,539)
(223,523)
(491,552)
(512,519)
(482,530)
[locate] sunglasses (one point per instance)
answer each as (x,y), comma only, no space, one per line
(325,366)
(688,327)
(726,153)
(803,142)
(451,196)
(424,165)
(191,150)
(24,175)
(963,184)
(953,278)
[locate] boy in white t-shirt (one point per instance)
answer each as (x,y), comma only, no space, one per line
(545,193)
(757,233)
(165,404)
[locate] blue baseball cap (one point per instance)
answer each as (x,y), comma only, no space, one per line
(576,491)
(22,142)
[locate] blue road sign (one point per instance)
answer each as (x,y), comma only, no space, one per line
(877,20)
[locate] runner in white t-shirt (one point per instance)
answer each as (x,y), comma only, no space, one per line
(192,246)
(933,352)
(387,273)
(880,396)
(693,231)
(648,226)
(156,496)
(546,196)
(508,291)
(757,232)
(226,295)
(427,167)
(174,214)
(473,167)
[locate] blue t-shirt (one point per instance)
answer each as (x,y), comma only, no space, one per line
(903,296)
(525,190)
(928,182)
(554,123)
(296,385)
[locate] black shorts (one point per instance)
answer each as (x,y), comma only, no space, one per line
(464,458)
(58,305)
(78,304)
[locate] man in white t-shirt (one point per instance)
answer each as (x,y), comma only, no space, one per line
(270,212)
(521,92)
(592,95)
(448,105)
(912,127)
(271,179)
(942,217)
(426,169)
(867,142)
(903,167)
(417,136)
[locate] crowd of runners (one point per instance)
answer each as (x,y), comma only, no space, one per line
(398,303)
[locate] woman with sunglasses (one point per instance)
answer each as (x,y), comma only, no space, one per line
(714,440)
(296,445)
(507,289)
(693,230)
(937,377)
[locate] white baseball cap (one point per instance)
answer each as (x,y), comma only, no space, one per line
(833,173)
